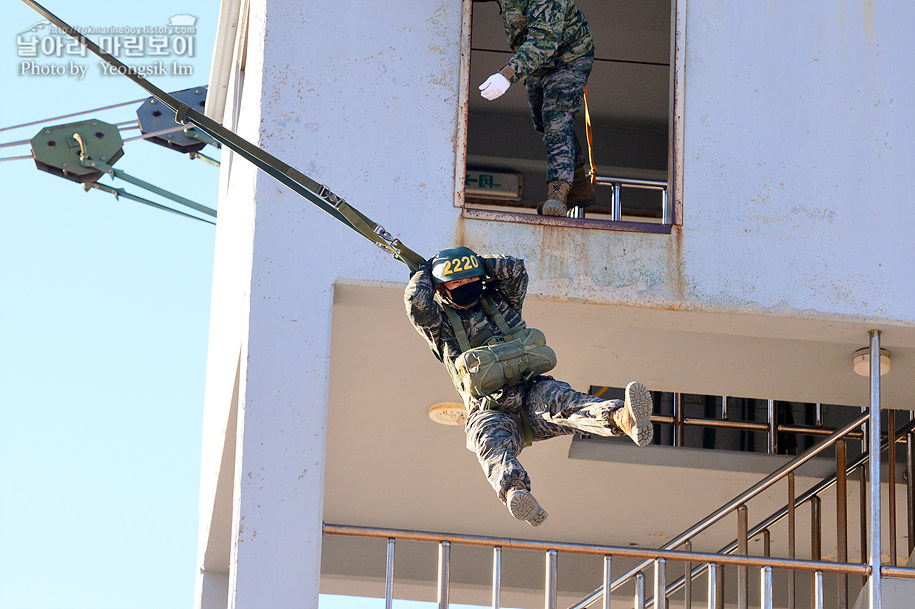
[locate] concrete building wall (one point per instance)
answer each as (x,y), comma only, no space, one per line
(794,119)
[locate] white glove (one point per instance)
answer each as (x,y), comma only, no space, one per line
(494,86)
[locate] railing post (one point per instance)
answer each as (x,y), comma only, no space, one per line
(792,528)
(678,418)
(444,574)
(816,524)
(552,574)
(714,594)
(688,579)
(862,515)
(743,549)
(639,599)
(389,576)
(841,521)
(608,581)
(665,207)
(873,451)
(496,577)
(660,583)
(818,590)
(616,205)
(910,487)
(765,587)
(891,474)
(773,427)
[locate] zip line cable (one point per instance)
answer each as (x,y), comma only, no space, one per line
(297,181)
(55,118)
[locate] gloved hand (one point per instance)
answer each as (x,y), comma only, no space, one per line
(494,86)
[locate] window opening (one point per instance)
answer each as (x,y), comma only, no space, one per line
(629,93)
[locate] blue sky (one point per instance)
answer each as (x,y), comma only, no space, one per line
(103,338)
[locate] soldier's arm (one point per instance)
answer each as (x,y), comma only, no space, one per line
(508,277)
(545,23)
(423,311)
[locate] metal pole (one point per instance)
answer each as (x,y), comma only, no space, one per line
(608,580)
(665,207)
(767,543)
(773,427)
(639,600)
(688,579)
(724,408)
(389,576)
(842,521)
(818,590)
(743,549)
(891,474)
(875,581)
(792,576)
(552,574)
(616,207)
(910,487)
(660,583)
(862,516)
(678,418)
(816,531)
(444,573)
(819,414)
(712,586)
(765,587)
(496,576)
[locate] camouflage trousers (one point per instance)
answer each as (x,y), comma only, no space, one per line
(553,409)
(555,99)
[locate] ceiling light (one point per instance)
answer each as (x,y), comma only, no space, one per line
(862,361)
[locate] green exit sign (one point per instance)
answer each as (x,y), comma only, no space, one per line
(493,185)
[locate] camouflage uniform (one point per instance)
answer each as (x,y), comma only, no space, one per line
(553,50)
(551,407)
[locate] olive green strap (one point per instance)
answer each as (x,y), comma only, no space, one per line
(458,326)
(493,312)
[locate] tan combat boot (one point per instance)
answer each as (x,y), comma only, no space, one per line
(523,506)
(634,418)
(582,193)
(556,193)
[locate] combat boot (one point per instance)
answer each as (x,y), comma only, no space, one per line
(556,193)
(523,506)
(582,193)
(634,418)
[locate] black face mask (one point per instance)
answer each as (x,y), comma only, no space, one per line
(468,294)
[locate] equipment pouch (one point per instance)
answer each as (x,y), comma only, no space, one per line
(503,360)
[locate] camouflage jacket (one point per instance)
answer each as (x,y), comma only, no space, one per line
(506,284)
(543,35)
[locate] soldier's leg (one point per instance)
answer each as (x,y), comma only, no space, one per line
(534,87)
(562,97)
(555,409)
(495,438)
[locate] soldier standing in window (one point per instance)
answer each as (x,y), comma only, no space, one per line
(553,53)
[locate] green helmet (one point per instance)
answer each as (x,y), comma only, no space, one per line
(456,263)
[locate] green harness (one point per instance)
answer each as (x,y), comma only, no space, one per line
(492,362)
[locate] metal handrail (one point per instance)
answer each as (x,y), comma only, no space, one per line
(731,505)
(617,184)
(774,518)
(602,550)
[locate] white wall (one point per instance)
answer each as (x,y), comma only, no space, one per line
(798,132)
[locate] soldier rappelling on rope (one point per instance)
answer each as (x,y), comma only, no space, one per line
(468,308)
